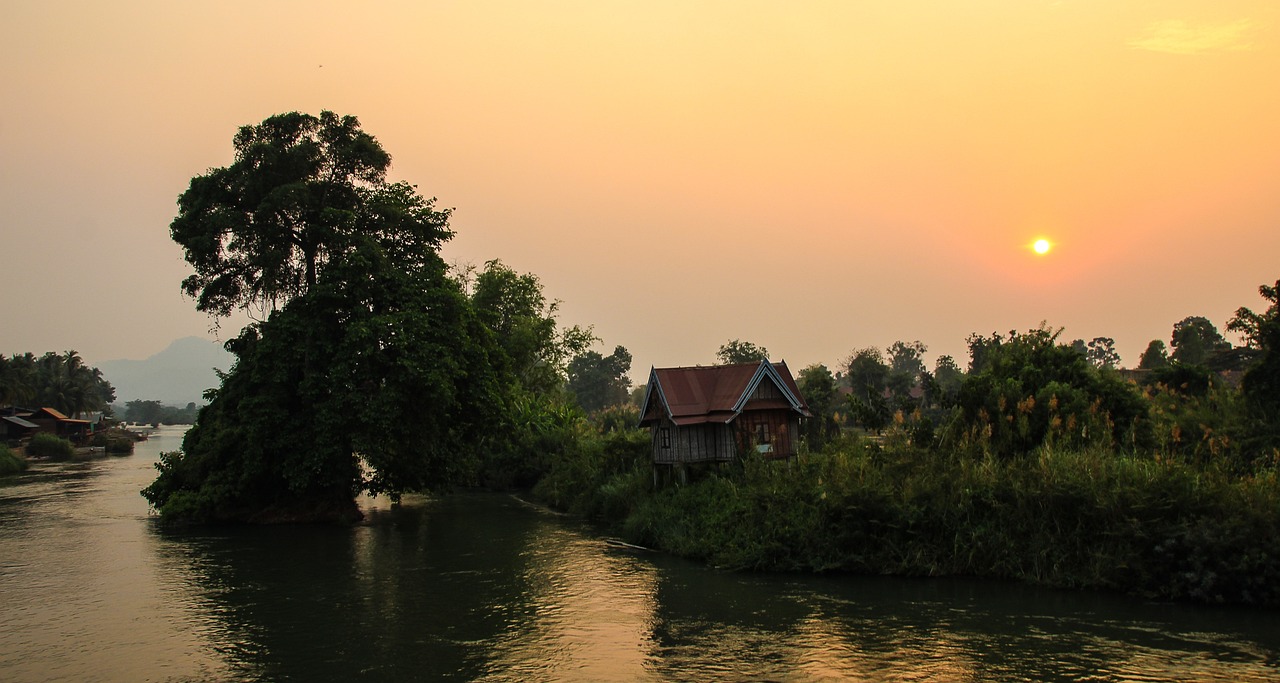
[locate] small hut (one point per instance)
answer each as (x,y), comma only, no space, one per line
(54,422)
(714,413)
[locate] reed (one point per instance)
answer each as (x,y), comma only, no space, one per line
(1084,518)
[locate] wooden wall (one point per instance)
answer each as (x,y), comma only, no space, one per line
(712,442)
(694,443)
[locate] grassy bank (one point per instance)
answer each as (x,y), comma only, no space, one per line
(10,462)
(1072,518)
(45,445)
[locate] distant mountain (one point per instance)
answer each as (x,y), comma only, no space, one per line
(176,376)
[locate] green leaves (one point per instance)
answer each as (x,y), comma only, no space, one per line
(260,231)
(371,371)
(1033,391)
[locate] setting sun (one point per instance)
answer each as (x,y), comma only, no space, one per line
(1041,246)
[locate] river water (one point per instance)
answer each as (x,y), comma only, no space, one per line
(487,587)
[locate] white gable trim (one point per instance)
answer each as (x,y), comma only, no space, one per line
(766,369)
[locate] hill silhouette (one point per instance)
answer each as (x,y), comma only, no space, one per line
(176,376)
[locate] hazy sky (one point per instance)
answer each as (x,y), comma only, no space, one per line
(813,177)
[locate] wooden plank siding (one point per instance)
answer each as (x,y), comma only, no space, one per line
(709,442)
(772,433)
(774,430)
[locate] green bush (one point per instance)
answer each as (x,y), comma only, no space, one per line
(45,445)
(115,442)
(10,462)
(1091,518)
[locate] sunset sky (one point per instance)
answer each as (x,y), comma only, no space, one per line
(813,177)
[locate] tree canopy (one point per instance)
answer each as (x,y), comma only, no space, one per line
(1261,383)
(370,370)
(1033,390)
(302,192)
(737,351)
(532,347)
(54,380)
(599,381)
(1195,341)
(867,372)
(906,363)
(1155,356)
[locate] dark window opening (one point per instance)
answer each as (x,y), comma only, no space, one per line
(762,432)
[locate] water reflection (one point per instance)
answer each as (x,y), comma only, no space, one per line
(858,628)
(486,587)
(587,615)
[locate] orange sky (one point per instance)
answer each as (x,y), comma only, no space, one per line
(812,177)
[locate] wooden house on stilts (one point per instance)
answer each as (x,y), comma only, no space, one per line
(714,413)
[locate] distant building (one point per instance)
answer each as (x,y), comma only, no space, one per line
(54,422)
(14,428)
(714,413)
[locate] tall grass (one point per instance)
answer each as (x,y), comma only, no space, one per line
(10,462)
(45,445)
(1157,527)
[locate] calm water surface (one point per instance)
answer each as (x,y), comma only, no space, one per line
(486,587)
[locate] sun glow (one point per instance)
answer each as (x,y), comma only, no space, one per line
(1041,246)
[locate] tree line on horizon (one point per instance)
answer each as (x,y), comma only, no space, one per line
(375,367)
(54,380)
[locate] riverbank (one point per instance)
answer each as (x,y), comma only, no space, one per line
(11,462)
(477,586)
(1155,528)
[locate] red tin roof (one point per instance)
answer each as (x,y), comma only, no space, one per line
(716,393)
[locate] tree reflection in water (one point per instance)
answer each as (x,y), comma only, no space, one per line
(486,587)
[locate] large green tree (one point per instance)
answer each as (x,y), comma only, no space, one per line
(818,386)
(1261,383)
(534,350)
(369,371)
(1154,357)
(261,231)
(906,363)
(737,351)
(1034,390)
(868,373)
(598,381)
(1196,340)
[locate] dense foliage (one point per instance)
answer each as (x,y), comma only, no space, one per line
(154,412)
(54,380)
(1032,390)
(375,369)
(738,351)
(597,381)
(10,462)
(1063,517)
(46,445)
(1050,467)
(370,370)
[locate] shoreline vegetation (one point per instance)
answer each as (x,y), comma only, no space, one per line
(1071,518)
(380,369)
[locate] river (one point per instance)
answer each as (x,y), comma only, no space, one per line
(487,587)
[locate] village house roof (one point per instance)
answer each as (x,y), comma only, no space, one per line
(53,414)
(20,422)
(717,393)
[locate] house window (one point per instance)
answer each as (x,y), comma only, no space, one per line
(664,435)
(762,432)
